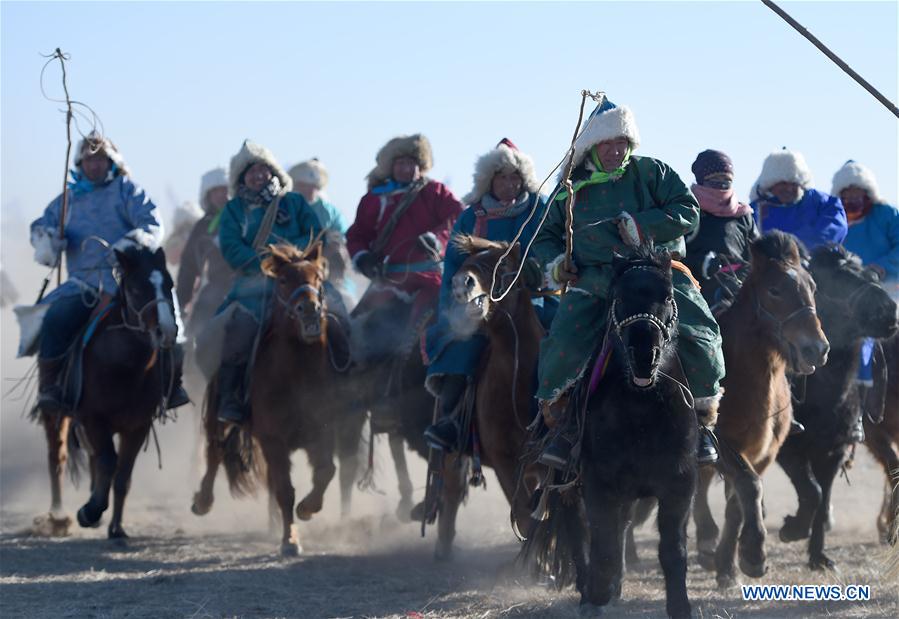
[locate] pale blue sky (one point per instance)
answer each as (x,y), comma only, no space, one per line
(180,85)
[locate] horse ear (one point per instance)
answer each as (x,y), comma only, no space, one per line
(314,253)
(272,262)
(619,263)
(123,258)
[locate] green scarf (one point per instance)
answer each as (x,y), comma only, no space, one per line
(599,176)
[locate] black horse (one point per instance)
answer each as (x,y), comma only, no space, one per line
(126,378)
(852,306)
(639,440)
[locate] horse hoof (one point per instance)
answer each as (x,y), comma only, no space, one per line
(305,511)
(51,525)
(706,560)
(791,531)
(727,581)
(290,549)
(86,520)
(404,511)
(417,513)
(822,562)
(752,569)
(199,507)
(590,610)
(117,533)
(443,553)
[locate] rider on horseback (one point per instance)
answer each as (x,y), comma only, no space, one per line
(262,210)
(503,200)
(621,201)
(105,208)
(402,225)
(202,263)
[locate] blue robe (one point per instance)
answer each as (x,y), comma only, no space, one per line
(816,219)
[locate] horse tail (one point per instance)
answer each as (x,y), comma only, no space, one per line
(241,457)
(557,545)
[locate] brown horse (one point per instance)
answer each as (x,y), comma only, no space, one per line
(883,441)
(121,392)
(288,398)
(770,329)
(503,390)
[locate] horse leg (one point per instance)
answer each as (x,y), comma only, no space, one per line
(881,446)
(203,498)
(725,565)
(56,523)
(706,527)
(277,462)
(455,469)
(825,471)
(398,452)
(674,512)
(129,447)
(799,470)
(104,467)
(321,458)
(748,487)
(516,494)
(606,547)
(349,434)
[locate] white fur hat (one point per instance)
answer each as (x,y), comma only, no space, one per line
(217,177)
(854,174)
(186,213)
(504,158)
(606,122)
(249,154)
(416,146)
(782,166)
(95,142)
(311,172)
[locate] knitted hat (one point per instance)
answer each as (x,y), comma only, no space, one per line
(710,162)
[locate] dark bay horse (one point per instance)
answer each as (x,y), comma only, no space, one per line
(123,389)
(883,441)
(770,328)
(638,440)
(503,390)
(288,396)
(852,307)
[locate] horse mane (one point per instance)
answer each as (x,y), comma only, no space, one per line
(781,247)
(832,255)
(286,253)
(467,244)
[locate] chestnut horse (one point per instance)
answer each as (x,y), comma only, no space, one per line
(288,398)
(770,329)
(122,390)
(883,441)
(504,388)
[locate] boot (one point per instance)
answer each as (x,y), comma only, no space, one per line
(50,394)
(557,454)
(444,434)
(177,396)
(706,452)
(231,393)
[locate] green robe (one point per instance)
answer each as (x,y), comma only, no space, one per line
(664,210)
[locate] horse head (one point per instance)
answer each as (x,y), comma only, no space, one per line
(145,293)
(483,277)
(784,298)
(851,301)
(299,276)
(643,314)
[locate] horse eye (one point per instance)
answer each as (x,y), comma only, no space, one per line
(774,292)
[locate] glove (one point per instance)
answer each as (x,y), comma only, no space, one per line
(628,230)
(532,274)
(369,265)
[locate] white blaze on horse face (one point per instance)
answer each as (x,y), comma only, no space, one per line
(794,274)
(164,310)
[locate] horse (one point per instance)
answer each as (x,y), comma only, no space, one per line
(288,398)
(882,439)
(852,307)
(639,437)
(771,328)
(503,392)
(123,387)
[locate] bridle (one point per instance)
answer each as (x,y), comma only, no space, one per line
(762,312)
(290,303)
(665,327)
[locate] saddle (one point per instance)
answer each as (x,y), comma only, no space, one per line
(73,373)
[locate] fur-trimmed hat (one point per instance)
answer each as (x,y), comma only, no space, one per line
(249,154)
(782,166)
(187,213)
(217,177)
(311,172)
(854,174)
(94,143)
(607,122)
(504,158)
(416,146)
